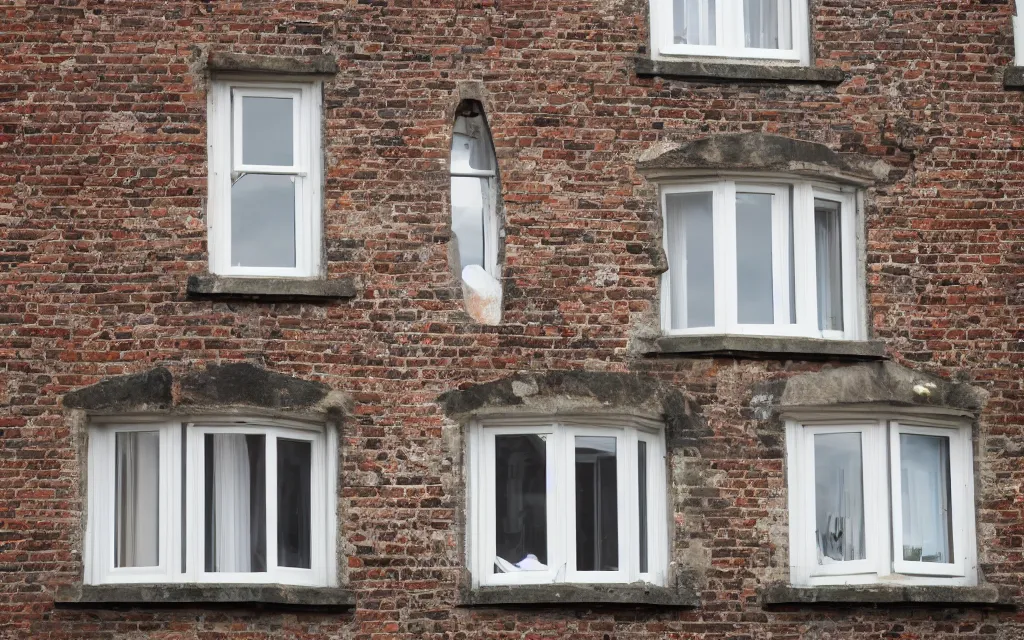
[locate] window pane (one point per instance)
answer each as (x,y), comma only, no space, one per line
(693,22)
(767,24)
(471,142)
(469,199)
(137,491)
(838,497)
(520,503)
(267,131)
(597,514)
(691,259)
(924,479)
(236,502)
(641,465)
(828,251)
(755,296)
(263,221)
(294,493)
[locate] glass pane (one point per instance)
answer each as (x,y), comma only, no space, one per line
(267,130)
(236,502)
(767,24)
(597,513)
(755,295)
(294,493)
(641,466)
(924,480)
(520,503)
(691,259)
(839,497)
(137,495)
(829,258)
(471,142)
(693,22)
(469,199)
(263,221)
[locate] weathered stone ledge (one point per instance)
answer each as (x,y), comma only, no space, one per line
(324,599)
(225,61)
(1013,78)
(770,347)
(209,286)
(731,72)
(578,594)
(784,594)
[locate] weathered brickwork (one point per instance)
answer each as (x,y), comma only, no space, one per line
(102,221)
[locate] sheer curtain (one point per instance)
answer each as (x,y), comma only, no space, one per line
(924,469)
(137,511)
(236,504)
(828,255)
(693,22)
(766,24)
(839,497)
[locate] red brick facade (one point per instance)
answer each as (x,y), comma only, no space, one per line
(103,184)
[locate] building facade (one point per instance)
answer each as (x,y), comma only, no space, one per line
(615,319)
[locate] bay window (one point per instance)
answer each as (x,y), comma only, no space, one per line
(760,258)
(881,497)
(210,501)
(577,500)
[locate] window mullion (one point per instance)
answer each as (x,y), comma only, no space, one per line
(629,506)
(804,257)
(271,501)
(725,257)
(195,495)
(850,295)
(780,257)
(565,487)
(732,27)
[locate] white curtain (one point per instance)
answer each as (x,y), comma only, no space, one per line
(925,496)
(231,504)
(766,24)
(839,497)
(828,255)
(694,22)
(138,498)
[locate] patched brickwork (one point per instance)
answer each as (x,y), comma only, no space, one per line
(102,222)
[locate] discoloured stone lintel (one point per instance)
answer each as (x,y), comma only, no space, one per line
(225,61)
(1013,78)
(572,594)
(771,347)
(784,594)
(241,383)
(731,72)
(270,288)
(191,595)
(147,390)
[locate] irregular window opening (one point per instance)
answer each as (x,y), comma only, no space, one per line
(474,197)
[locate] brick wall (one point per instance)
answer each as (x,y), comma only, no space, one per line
(102,191)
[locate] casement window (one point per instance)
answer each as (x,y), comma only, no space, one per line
(759,29)
(264,184)
(578,500)
(209,500)
(881,498)
(761,258)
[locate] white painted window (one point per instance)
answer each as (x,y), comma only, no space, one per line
(761,258)
(264,183)
(881,498)
(757,29)
(211,500)
(577,499)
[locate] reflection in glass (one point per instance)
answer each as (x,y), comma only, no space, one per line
(235,502)
(263,221)
(924,480)
(597,515)
(137,499)
(691,259)
(839,497)
(294,464)
(469,199)
(767,24)
(829,258)
(693,22)
(755,295)
(520,503)
(267,131)
(641,466)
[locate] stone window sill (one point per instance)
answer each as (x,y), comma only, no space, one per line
(784,594)
(323,599)
(737,72)
(579,594)
(211,286)
(768,347)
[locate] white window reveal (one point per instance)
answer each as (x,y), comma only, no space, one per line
(474,194)
(1018,36)
(264,150)
(577,500)
(761,258)
(875,498)
(210,501)
(759,29)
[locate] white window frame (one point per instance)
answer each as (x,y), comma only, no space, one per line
(182,495)
(561,525)
(224,143)
(882,507)
(729,34)
(1018,36)
(800,196)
